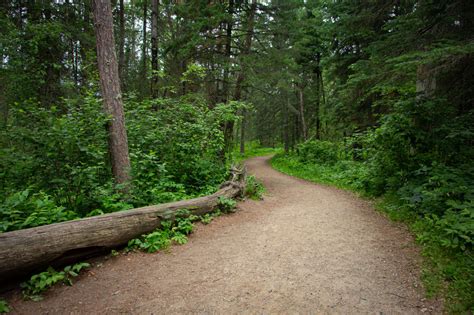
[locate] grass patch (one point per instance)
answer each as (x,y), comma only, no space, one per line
(343,174)
(253,149)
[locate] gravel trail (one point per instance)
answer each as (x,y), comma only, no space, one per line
(304,249)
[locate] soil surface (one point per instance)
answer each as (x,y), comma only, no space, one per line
(305,248)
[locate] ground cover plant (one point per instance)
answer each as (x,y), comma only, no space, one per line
(39,283)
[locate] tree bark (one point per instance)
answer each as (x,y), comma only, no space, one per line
(227,52)
(154,46)
(228,127)
(57,244)
(122,42)
(130,53)
(320,89)
(111,92)
(242,132)
(302,118)
(245,52)
(286,126)
(85,44)
(144,50)
(425,81)
(241,75)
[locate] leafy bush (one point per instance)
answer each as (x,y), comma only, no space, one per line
(161,238)
(152,242)
(227,205)
(324,152)
(24,209)
(253,188)
(207,218)
(54,161)
(61,152)
(41,282)
(4,308)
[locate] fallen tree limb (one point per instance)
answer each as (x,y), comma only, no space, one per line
(29,250)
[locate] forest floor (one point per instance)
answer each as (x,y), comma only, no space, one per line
(305,248)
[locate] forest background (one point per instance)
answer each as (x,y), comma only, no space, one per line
(374,96)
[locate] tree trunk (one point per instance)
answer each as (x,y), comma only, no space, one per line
(245,52)
(110,88)
(85,44)
(318,106)
(144,50)
(241,76)
(227,51)
(33,249)
(320,89)
(228,127)
(122,42)
(242,132)
(302,119)
(154,46)
(130,53)
(286,125)
(425,81)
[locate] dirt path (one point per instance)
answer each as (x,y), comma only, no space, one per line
(305,249)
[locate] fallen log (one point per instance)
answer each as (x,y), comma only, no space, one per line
(29,250)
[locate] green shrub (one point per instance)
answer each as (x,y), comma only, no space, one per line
(59,155)
(4,308)
(177,230)
(41,282)
(226,205)
(324,152)
(207,218)
(24,209)
(253,188)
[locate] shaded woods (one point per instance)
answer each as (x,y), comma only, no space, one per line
(152,101)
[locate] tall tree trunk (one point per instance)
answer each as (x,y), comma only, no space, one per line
(154,46)
(242,131)
(245,51)
(286,126)
(227,51)
(242,72)
(110,88)
(425,81)
(130,55)
(85,44)
(122,42)
(228,127)
(320,89)
(318,105)
(144,50)
(302,119)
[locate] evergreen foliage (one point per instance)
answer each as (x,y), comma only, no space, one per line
(374,96)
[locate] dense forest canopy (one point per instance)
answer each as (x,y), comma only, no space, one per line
(385,88)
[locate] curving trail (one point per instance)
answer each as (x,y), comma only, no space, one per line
(306,248)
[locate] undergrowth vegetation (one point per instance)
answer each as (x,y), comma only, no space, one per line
(434,195)
(39,283)
(169,231)
(54,162)
(253,149)
(4,308)
(254,189)
(179,229)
